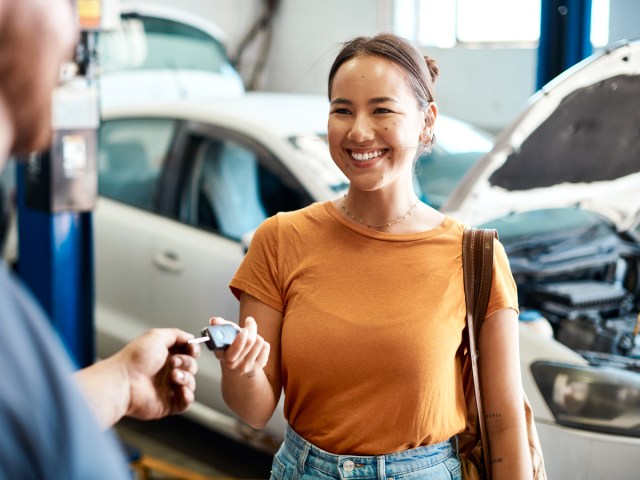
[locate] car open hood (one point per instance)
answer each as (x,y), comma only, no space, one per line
(576,143)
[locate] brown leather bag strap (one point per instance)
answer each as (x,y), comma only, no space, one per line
(477,263)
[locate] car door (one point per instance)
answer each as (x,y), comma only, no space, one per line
(131,157)
(225,184)
(152,270)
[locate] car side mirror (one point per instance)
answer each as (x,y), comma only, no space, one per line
(246,240)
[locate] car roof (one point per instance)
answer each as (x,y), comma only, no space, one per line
(286,114)
(282,114)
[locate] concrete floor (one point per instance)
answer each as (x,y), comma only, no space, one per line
(177,448)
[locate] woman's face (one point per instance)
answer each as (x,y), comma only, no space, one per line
(375,124)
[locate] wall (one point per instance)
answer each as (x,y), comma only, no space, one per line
(307,38)
(487,87)
(484,87)
(624,20)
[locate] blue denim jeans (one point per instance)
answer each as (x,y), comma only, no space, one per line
(298,459)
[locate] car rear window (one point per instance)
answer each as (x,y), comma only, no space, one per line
(151,43)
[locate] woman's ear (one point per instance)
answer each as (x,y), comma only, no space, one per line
(430,115)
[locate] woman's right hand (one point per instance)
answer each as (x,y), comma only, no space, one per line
(251,383)
(248,353)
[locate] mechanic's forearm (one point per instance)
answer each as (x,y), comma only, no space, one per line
(249,396)
(105,385)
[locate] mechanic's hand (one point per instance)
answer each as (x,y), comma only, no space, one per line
(160,367)
(248,353)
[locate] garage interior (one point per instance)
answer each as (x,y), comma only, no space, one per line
(287,46)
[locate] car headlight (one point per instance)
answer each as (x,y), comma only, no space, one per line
(591,398)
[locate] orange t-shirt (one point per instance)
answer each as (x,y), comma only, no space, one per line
(372,327)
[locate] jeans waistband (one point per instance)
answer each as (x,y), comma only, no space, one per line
(389,465)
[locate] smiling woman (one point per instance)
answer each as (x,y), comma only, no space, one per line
(328,275)
(380,118)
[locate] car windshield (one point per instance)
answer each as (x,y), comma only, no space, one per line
(314,149)
(457,147)
(7,186)
(635,232)
(7,176)
(155,43)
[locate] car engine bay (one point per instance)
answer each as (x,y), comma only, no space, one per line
(587,285)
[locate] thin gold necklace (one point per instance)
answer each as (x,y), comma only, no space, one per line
(401,218)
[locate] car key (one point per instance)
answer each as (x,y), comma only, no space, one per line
(216,337)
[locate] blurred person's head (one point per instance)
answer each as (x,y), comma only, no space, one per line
(36,38)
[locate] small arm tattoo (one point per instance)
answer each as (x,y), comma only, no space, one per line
(496,460)
(491,416)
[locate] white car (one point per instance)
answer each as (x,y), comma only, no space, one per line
(562,186)
(163,53)
(183,183)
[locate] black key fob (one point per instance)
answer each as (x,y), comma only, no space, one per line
(220,336)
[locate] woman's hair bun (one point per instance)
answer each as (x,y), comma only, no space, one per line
(433,67)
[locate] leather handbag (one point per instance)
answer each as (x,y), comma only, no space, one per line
(477,262)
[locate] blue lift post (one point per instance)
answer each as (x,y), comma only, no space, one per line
(56,263)
(565,37)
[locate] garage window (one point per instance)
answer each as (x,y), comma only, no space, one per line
(469,23)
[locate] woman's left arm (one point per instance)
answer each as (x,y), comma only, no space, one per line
(502,396)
